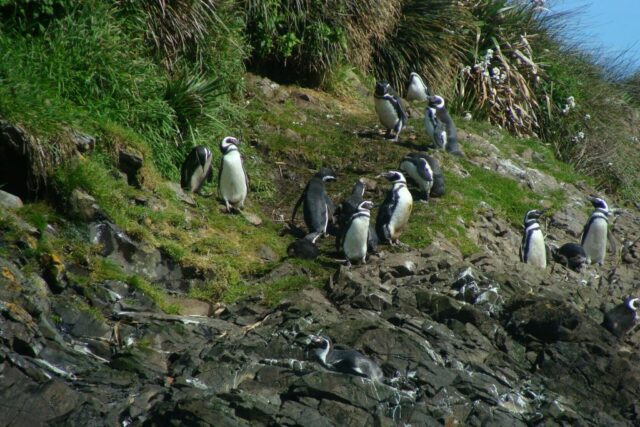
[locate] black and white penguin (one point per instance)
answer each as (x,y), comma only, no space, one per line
(395,211)
(440,126)
(594,234)
(348,361)
(533,250)
(416,89)
(623,317)
(232,178)
(356,234)
(196,168)
(425,171)
(389,109)
(317,207)
(571,255)
(304,248)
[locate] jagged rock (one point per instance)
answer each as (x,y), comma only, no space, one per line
(84,143)
(9,201)
(54,272)
(84,206)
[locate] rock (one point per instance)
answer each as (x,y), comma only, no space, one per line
(9,201)
(84,143)
(266,253)
(54,272)
(83,206)
(130,162)
(190,306)
(292,135)
(180,194)
(251,218)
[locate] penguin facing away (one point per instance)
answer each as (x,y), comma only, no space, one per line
(623,317)
(594,234)
(317,206)
(395,211)
(533,250)
(348,361)
(196,169)
(416,89)
(389,109)
(440,126)
(571,255)
(419,170)
(346,208)
(232,178)
(356,234)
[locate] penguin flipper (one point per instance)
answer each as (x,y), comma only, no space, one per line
(220,174)
(298,203)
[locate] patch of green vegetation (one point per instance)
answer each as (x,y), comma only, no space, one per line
(156,294)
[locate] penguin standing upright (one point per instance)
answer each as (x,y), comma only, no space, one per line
(416,89)
(356,234)
(348,361)
(317,206)
(594,234)
(394,213)
(440,126)
(232,178)
(533,250)
(196,168)
(623,317)
(389,109)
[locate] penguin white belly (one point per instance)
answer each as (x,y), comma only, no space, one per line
(386,112)
(429,115)
(355,240)
(595,242)
(233,185)
(537,254)
(416,92)
(401,213)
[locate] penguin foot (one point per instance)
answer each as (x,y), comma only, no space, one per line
(226,202)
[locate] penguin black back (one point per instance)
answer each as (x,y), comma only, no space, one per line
(623,317)
(571,255)
(196,169)
(437,189)
(317,206)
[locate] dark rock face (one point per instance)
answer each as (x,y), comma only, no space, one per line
(482,340)
(130,164)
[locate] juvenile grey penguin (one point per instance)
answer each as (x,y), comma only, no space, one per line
(395,211)
(533,250)
(356,234)
(571,255)
(440,126)
(623,317)
(416,89)
(594,234)
(418,167)
(317,206)
(232,178)
(348,361)
(196,169)
(389,109)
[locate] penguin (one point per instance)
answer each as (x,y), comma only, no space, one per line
(394,213)
(416,89)
(232,178)
(594,234)
(533,250)
(356,234)
(348,361)
(571,255)
(346,208)
(389,109)
(195,169)
(440,126)
(623,317)
(317,207)
(425,171)
(304,248)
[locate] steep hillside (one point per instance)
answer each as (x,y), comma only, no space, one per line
(125,301)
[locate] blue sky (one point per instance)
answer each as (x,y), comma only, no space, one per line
(613,25)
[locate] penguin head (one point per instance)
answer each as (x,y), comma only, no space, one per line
(326,174)
(533,215)
(632,303)
(366,205)
(321,345)
(229,143)
(415,76)
(598,203)
(436,101)
(393,176)
(382,88)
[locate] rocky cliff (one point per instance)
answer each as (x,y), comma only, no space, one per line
(465,333)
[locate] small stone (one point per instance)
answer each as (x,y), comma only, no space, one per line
(267,254)
(292,135)
(181,195)
(252,218)
(84,206)
(9,201)
(130,163)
